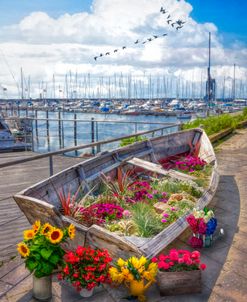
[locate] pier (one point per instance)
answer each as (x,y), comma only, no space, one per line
(226,275)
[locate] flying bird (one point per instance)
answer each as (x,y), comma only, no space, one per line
(95,58)
(101,55)
(164,35)
(173,24)
(177,28)
(115,50)
(169,21)
(150,39)
(107,54)
(136,42)
(180,22)
(155,37)
(123,47)
(168,17)
(144,42)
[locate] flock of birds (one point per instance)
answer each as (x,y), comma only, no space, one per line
(177,25)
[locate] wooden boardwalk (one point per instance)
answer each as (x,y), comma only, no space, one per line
(12,180)
(225,278)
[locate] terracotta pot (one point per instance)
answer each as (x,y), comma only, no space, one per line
(42,288)
(176,283)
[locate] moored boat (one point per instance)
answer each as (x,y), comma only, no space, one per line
(149,157)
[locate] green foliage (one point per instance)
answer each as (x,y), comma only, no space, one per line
(214,124)
(131,140)
(148,223)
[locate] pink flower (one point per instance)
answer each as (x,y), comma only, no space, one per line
(165,215)
(126,213)
(163,220)
(195,255)
(174,255)
(203,266)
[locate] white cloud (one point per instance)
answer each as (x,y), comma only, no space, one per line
(44,46)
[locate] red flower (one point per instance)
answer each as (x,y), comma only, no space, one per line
(203,266)
(195,255)
(155,259)
(174,255)
(66,270)
(60,277)
(80,250)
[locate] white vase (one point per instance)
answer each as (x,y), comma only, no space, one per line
(86,293)
(42,288)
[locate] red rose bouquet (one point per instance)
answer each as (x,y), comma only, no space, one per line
(86,267)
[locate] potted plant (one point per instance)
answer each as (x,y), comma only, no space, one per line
(86,268)
(179,272)
(136,274)
(203,225)
(42,251)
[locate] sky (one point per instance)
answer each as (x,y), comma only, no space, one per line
(58,37)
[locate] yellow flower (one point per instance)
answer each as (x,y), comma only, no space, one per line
(28,234)
(55,235)
(135,262)
(121,262)
(153,269)
(23,249)
(36,226)
(115,275)
(129,277)
(71,231)
(142,261)
(46,229)
(148,276)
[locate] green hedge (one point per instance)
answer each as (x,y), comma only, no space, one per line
(214,124)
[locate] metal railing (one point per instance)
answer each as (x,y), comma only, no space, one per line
(92,145)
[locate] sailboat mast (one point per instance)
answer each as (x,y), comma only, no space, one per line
(209,69)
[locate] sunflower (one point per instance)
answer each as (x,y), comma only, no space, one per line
(23,249)
(28,234)
(36,226)
(71,231)
(55,235)
(46,228)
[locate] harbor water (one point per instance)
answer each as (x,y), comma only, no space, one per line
(52,130)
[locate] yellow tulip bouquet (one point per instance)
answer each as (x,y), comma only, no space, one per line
(136,274)
(41,247)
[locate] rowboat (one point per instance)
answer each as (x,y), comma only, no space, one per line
(41,201)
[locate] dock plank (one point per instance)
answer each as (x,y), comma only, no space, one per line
(14,179)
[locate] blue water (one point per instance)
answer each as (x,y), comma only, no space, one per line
(104,128)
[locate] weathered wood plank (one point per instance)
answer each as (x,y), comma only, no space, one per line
(156,168)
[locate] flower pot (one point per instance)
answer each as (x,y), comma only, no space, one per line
(176,283)
(42,288)
(207,240)
(86,293)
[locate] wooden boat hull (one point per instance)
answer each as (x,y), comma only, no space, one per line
(40,201)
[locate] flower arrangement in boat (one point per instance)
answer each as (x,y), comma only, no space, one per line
(137,274)
(86,267)
(152,203)
(179,260)
(202,223)
(190,164)
(41,247)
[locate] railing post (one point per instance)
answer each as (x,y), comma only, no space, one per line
(59,129)
(92,134)
(32,138)
(75,133)
(98,148)
(51,165)
(48,129)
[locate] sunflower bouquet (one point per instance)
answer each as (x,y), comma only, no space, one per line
(136,274)
(42,249)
